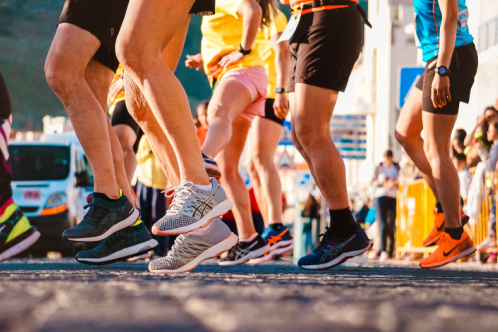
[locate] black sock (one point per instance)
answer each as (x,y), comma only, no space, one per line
(276,227)
(342,222)
(455,233)
(104,197)
(439,208)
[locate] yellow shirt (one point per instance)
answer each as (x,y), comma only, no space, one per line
(121,95)
(149,170)
(222,34)
(266,51)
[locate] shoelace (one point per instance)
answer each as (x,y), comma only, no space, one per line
(92,214)
(180,194)
(176,245)
(324,240)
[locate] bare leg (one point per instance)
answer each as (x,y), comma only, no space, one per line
(258,190)
(141,112)
(265,136)
(312,110)
(100,89)
(127,138)
(407,133)
(438,128)
(148,27)
(228,161)
(229,100)
(65,69)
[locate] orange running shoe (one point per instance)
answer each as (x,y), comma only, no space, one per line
(449,250)
(438,227)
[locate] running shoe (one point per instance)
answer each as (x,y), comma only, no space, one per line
(449,250)
(492,258)
(333,250)
(211,167)
(245,251)
(102,219)
(192,208)
(279,241)
(16,233)
(121,245)
(190,249)
(487,243)
(438,227)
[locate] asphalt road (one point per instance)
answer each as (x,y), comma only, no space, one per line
(62,295)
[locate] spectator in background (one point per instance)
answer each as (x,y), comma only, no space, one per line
(458,141)
(386,180)
(152,202)
(460,162)
(202,126)
(361,215)
(476,142)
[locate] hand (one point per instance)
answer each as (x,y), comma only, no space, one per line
(231,58)
(194,61)
(115,88)
(281,105)
(440,92)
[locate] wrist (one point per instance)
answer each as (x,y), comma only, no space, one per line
(442,71)
(279,90)
(243,51)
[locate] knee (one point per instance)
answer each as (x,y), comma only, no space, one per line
(230,171)
(251,167)
(310,137)
(58,78)
(132,56)
(296,141)
(262,163)
(406,141)
(217,114)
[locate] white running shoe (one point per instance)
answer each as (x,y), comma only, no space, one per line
(189,249)
(487,243)
(192,208)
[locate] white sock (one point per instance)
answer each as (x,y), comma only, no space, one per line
(204,230)
(251,238)
(205,186)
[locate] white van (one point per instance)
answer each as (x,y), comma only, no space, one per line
(50,183)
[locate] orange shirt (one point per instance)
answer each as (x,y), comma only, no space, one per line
(201,135)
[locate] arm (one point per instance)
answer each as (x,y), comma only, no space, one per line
(441,84)
(194,61)
(470,136)
(282,62)
(251,14)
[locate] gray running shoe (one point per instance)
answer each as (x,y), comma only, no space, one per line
(125,243)
(103,219)
(192,208)
(189,250)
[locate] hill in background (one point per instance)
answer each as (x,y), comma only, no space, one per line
(26,31)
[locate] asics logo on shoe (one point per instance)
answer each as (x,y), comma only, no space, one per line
(242,252)
(448,253)
(274,239)
(206,204)
(334,250)
(439,229)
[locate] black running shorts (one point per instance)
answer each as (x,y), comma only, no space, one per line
(463,69)
(121,116)
(324,48)
(270,112)
(5,104)
(103,19)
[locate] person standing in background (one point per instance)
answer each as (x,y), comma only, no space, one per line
(386,178)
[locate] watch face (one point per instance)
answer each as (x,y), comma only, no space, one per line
(442,71)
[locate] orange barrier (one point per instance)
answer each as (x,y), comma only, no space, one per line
(415,218)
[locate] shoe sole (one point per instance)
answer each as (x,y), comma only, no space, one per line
(256,253)
(463,254)
(218,210)
(432,243)
(338,261)
(271,255)
(212,252)
(121,255)
(119,226)
(20,247)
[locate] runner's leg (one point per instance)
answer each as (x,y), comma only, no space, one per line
(408,130)
(265,136)
(438,129)
(70,53)
(159,21)
(127,138)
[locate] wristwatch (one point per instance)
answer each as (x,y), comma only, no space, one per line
(279,90)
(442,71)
(244,52)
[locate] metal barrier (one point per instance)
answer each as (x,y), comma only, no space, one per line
(415,218)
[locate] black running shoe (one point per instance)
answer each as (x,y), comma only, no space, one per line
(211,167)
(333,251)
(244,251)
(126,243)
(103,219)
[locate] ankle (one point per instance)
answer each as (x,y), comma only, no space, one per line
(250,238)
